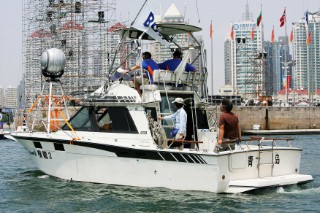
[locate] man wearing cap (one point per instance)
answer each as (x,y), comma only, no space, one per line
(180,117)
(172,64)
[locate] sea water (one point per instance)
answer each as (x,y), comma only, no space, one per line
(23,188)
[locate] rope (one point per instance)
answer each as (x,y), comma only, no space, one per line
(33,105)
(73,139)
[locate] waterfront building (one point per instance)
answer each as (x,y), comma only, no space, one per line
(11,97)
(297,97)
(245,57)
(1,97)
(307,56)
(277,53)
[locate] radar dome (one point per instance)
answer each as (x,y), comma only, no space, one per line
(53,61)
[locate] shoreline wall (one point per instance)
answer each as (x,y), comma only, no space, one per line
(277,118)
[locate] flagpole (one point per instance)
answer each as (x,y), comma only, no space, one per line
(139,12)
(293,70)
(308,67)
(211,32)
(285,55)
(263,83)
(233,59)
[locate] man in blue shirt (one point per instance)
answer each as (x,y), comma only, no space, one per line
(180,117)
(172,64)
(149,65)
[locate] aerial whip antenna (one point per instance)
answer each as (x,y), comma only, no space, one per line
(198,11)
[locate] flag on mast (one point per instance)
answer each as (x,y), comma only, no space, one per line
(291,37)
(259,19)
(309,38)
(232,33)
(145,22)
(252,33)
(211,30)
(272,35)
(283,18)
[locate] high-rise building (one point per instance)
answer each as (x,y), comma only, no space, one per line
(306,54)
(1,97)
(276,70)
(245,58)
(11,97)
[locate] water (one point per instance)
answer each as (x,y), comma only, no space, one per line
(23,188)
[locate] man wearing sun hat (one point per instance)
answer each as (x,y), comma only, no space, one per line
(180,117)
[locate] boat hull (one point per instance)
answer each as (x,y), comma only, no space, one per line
(227,172)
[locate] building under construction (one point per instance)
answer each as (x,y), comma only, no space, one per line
(80,29)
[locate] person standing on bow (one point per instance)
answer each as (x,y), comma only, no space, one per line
(229,124)
(180,117)
(149,65)
(172,64)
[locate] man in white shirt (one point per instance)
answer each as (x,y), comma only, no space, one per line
(180,117)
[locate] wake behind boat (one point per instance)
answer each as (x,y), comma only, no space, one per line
(116,137)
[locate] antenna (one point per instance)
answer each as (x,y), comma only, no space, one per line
(198,11)
(184,13)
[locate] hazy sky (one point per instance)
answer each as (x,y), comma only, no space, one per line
(221,12)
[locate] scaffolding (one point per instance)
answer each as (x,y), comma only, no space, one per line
(251,69)
(79,29)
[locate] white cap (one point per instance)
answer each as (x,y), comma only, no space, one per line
(178,100)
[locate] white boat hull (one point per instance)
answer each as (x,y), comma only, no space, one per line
(227,172)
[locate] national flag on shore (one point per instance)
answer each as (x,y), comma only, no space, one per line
(232,33)
(259,19)
(309,38)
(211,30)
(283,18)
(272,35)
(252,33)
(291,37)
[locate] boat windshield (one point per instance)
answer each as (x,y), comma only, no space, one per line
(102,119)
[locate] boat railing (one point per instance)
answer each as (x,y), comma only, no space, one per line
(265,141)
(188,80)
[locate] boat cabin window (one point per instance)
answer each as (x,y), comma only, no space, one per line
(80,121)
(102,119)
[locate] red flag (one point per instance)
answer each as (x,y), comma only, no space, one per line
(259,19)
(309,38)
(291,37)
(283,18)
(252,33)
(211,30)
(272,35)
(232,33)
